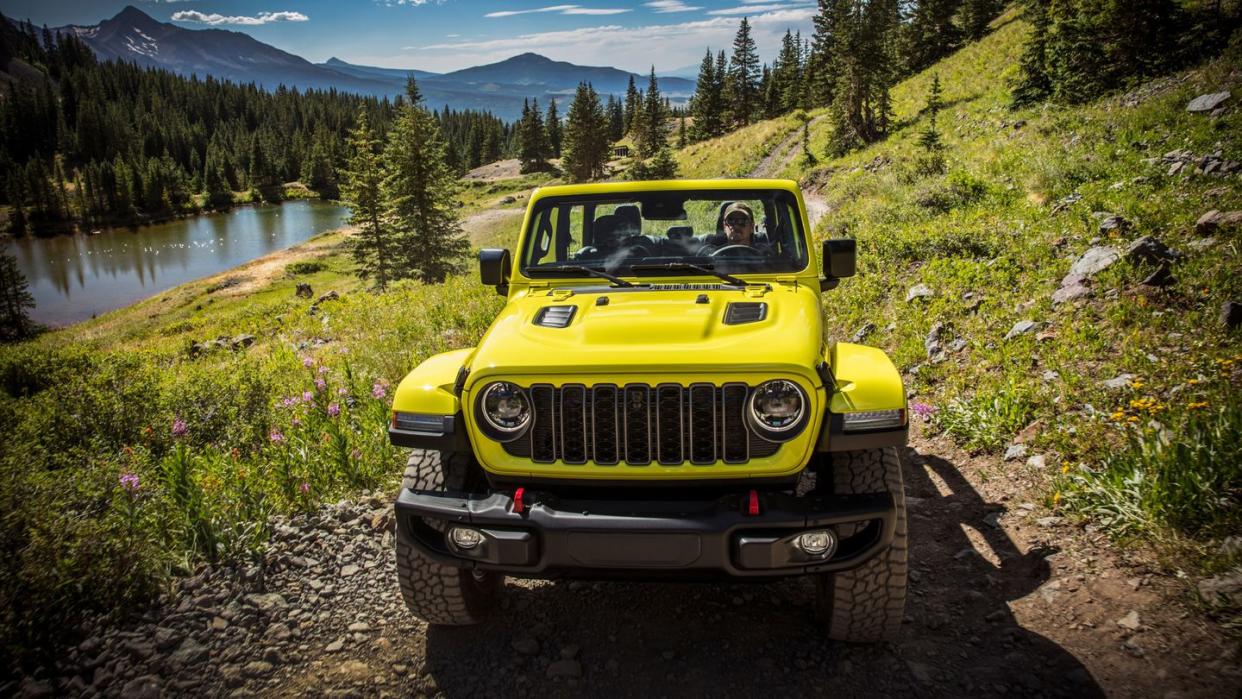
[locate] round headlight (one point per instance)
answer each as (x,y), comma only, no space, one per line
(505,408)
(777,405)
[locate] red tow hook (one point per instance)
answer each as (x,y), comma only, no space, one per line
(518,506)
(752,503)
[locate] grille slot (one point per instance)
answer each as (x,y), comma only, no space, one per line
(638,424)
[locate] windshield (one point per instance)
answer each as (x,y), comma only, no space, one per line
(683,232)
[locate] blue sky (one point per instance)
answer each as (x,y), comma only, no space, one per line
(444,35)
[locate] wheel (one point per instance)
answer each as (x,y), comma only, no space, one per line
(866,604)
(438,593)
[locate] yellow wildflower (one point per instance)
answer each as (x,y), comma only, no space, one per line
(1056,498)
(1137,384)
(1065,467)
(1197,405)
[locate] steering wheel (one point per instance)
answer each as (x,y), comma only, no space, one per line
(737,250)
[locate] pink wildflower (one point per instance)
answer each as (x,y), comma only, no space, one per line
(179,428)
(307,396)
(334,410)
(277,436)
(308,362)
(305,488)
(320,384)
(380,389)
(342,391)
(130,482)
(323,370)
(923,410)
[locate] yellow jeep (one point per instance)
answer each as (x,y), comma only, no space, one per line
(657,400)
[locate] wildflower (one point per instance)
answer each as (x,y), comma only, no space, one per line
(277,436)
(334,410)
(320,384)
(1198,405)
(130,482)
(179,428)
(1137,384)
(308,362)
(1192,382)
(1065,467)
(342,391)
(304,488)
(355,454)
(380,389)
(323,370)
(923,410)
(297,422)
(307,396)
(1056,498)
(235,453)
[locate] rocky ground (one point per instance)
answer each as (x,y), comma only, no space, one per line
(1004,598)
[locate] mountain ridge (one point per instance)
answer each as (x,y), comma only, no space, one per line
(500,88)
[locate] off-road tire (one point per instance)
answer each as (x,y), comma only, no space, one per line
(437,593)
(866,604)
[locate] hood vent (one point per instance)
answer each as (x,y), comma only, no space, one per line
(555,316)
(740,312)
(692,286)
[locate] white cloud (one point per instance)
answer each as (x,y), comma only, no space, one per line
(667,6)
(261,18)
(559,9)
(631,48)
(750,7)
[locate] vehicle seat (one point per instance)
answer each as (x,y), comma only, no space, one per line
(680,232)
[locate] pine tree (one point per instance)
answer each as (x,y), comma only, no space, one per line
(652,133)
(1033,83)
(932,160)
(743,77)
(552,133)
(864,62)
(975,16)
(373,252)
(616,119)
(586,144)
(681,131)
(531,136)
(707,104)
(821,71)
(420,195)
(931,33)
(633,103)
(15,301)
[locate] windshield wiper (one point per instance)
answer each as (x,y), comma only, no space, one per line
(589,271)
(688,267)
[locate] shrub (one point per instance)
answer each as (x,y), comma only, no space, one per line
(987,423)
(305,267)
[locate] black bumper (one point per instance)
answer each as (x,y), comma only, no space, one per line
(556,537)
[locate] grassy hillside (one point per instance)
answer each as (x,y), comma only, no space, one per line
(1128,397)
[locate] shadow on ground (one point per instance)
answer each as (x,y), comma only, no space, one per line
(654,640)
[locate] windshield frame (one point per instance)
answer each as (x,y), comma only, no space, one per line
(535,219)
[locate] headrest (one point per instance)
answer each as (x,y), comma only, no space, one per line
(680,232)
(604,230)
(630,215)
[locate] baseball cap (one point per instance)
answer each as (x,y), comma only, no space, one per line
(739,206)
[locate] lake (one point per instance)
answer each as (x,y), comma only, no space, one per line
(75,277)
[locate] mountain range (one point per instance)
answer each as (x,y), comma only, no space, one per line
(133,35)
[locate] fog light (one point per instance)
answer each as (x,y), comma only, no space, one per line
(464,538)
(817,543)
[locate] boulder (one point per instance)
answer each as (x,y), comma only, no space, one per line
(242,341)
(1094,261)
(1151,251)
(919,291)
(304,290)
(1231,314)
(330,296)
(862,333)
(1072,287)
(1215,220)
(1208,102)
(1110,223)
(1021,327)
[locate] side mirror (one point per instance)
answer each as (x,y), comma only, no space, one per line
(494,266)
(840,261)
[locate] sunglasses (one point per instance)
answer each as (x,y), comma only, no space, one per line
(737,220)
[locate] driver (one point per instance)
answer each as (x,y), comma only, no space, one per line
(739,225)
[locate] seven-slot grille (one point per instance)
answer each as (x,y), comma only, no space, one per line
(640,424)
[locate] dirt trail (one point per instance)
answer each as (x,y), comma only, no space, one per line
(782,154)
(1004,598)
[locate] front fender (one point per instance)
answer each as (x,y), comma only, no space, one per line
(865,379)
(426,409)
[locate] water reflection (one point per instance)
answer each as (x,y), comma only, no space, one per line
(75,277)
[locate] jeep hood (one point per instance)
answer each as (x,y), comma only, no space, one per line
(653,331)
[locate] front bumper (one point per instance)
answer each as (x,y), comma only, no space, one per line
(658,539)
